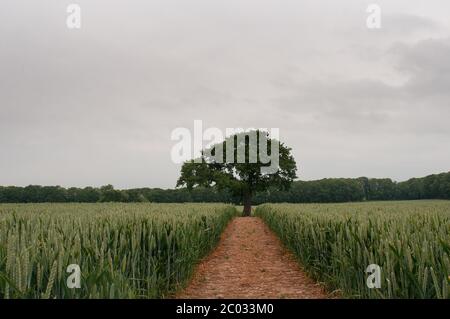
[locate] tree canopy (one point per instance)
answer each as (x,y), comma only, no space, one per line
(245,163)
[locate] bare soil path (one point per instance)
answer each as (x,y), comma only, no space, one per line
(250,262)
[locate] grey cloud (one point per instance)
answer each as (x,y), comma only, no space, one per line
(427,65)
(369,104)
(409,23)
(97,105)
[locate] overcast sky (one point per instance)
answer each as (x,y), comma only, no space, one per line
(97,105)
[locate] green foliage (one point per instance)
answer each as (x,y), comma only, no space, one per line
(124,250)
(337,190)
(336,242)
(241,176)
(329,190)
(56,194)
(108,194)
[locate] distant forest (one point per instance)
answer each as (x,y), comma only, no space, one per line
(329,190)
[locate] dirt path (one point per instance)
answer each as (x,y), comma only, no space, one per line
(250,262)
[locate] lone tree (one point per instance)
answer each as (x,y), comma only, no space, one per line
(245,163)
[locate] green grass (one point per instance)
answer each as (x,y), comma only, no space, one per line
(124,250)
(336,242)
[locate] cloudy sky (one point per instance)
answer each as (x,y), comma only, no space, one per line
(98,105)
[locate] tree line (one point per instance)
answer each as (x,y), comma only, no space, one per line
(107,193)
(329,190)
(337,190)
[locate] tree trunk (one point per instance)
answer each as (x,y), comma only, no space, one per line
(247,204)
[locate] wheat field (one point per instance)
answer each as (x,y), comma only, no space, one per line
(150,250)
(335,243)
(123,250)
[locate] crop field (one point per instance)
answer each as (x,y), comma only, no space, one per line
(123,250)
(151,250)
(335,243)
